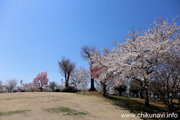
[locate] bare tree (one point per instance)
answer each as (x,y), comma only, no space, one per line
(66,68)
(11,84)
(86,53)
(52,85)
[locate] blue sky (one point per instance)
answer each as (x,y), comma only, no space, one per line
(35,34)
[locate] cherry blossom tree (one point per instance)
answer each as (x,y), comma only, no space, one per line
(11,85)
(96,73)
(80,75)
(141,53)
(101,72)
(41,80)
(29,87)
(166,82)
(19,88)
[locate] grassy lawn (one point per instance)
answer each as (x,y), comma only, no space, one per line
(72,106)
(58,106)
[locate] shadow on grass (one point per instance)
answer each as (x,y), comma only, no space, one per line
(134,106)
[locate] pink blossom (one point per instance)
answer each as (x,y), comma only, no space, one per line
(41,80)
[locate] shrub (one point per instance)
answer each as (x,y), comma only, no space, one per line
(69,89)
(57,90)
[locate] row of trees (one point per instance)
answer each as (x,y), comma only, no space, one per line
(12,86)
(9,86)
(73,77)
(68,69)
(149,58)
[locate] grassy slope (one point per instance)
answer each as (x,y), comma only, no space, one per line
(55,106)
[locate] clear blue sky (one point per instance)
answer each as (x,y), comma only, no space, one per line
(35,34)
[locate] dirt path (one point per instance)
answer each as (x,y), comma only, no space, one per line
(57,106)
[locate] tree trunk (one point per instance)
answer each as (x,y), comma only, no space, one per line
(120,93)
(92,86)
(41,89)
(170,109)
(67,83)
(92,83)
(140,93)
(104,90)
(179,103)
(146,99)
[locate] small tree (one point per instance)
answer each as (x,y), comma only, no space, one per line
(29,87)
(41,80)
(80,75)
(66,68)
(52,86)
(11,84)
(100,73)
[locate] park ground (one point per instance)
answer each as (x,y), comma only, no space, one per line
(58,106)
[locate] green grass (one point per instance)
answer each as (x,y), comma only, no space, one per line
(13,112)
(65,110)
